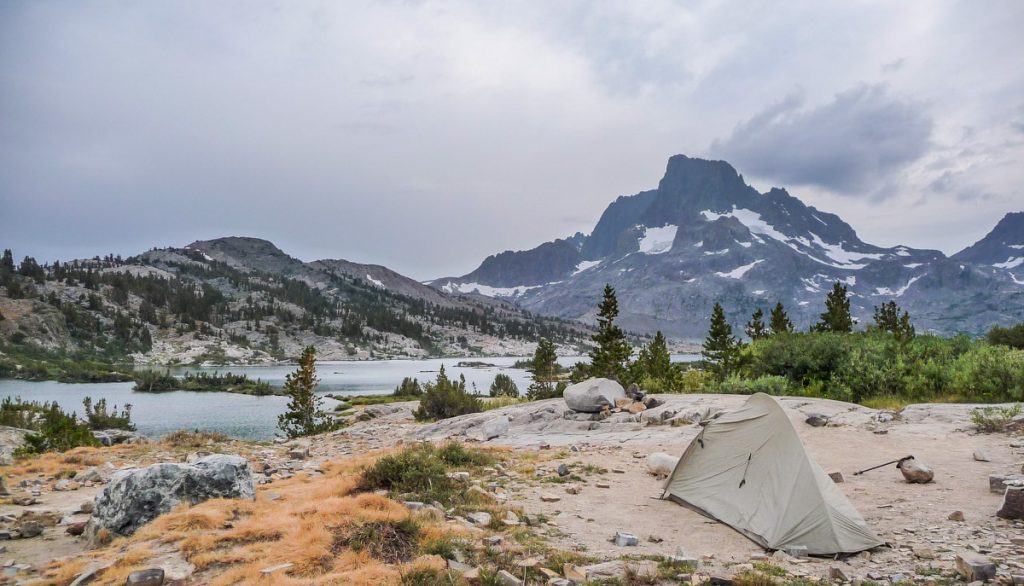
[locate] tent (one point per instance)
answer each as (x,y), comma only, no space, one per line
(749,470)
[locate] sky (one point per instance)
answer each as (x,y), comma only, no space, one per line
(424,135)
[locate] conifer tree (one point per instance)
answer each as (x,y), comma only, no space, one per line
(780,322)
(837,318)
(305,414)
(721,348)
(653,367)
(755,328)
(545,361)
(611,355)
(7,262)
(889,319)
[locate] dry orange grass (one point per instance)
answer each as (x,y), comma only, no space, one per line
(229,542)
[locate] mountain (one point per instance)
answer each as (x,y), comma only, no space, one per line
(245,300)
(704,235)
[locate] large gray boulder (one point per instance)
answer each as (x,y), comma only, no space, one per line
(136,496)
(593,395)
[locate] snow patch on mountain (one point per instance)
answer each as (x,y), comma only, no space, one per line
(899,292)
(658,240)
(912,265)
(487,290)
(1010,263)
(375,282)
(738,272)
(585,265)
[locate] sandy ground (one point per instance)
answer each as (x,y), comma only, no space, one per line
(912,518)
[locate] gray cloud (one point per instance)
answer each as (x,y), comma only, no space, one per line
(849,145)
(426,135)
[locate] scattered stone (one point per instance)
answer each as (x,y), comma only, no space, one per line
(505,578)
(136,496)
(479,518)
(682,557)
(974,566)
(24,501)
(635,408)
(622,539)
(492,541)
(836,477)
(480,494)
(413,505)
(511,519)
(574,573)
(151,577)
(603,485)
(593,395)
(837,574)
(1013,503)
(651,402)
(655,539)
(914,472)
(981,456)
(299,453)
(618,471)
(113,437)
(816,420)
(30,529)
(573,489)
(563,470)
(76,529)
(550,498)
(924,553)
(999,482)
(956,516)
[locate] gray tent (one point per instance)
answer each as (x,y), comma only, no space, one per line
(749,470)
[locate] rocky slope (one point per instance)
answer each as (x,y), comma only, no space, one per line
(244,300)
(704,235)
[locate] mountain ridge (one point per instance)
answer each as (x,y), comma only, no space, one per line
(704,235)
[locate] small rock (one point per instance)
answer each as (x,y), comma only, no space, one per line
(550,498)
(837,574)
(636,408)
(661,464)
(816,420)
(981,456)
(622,539)
(151,577)
(492,541)
(1013,503)
(505,578)
(76,529)
(956,516)
(493,428)
(973,567)
(914,472)
(24,501)
(836,477)
(924,553)
(603,485)
(511,519)
(479,518)
(563,470)
(30,529)
(574,573)
(413,505)
(999,482)
(299,453)
(797,551)
(573,489)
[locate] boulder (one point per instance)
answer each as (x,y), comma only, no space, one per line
(623,539)
(634,392)
(816,420)
(493,428)
(113,437)
(661,464)
(593,395)
(915,472)
(980,456)
(135,496)
(1013,503)
(999,482)
(151,577)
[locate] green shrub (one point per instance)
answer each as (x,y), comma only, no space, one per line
(409,387)
(421,472)
(990,374)
(446,398)
(1012,336)
(735,385)
(53,429)
(391,542)
(994,419)
(546,390)
(504,386)
(99,418)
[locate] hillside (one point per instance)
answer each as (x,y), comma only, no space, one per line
(243,300)
(704,235)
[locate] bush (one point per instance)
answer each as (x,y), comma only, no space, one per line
(422,471)
(993,419)
(53,429)
(99,418)
(735,385)
(990,374)
(1012,336)
(391,542)
(504,386)
(409,387)
(445,398)
(545,390)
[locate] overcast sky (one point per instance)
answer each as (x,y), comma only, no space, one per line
(426,135)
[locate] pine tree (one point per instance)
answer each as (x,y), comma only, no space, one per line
(7,262)
(653,367)
(837,317)
(755,329)
(305,415)
(889,319)
(721,348)
(504,386)
(545,361)
(611,355)
(780,323)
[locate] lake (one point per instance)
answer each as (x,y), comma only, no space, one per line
(248,417)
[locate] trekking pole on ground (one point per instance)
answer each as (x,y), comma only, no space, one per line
(897,462)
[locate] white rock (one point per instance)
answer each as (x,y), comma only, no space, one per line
(593,395)
(661,464)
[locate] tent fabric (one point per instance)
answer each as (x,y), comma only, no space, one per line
(749,470)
